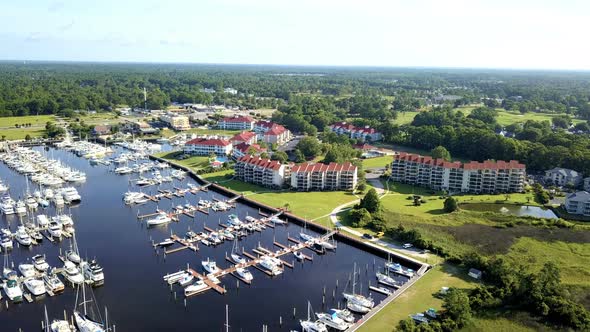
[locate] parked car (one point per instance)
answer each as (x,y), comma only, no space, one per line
(368,236)
(407,245)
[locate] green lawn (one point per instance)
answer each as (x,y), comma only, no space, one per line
(497,324)
(34,120)
(100,118)
(377,162)
(419,297)
(21,133)
(405,117)
(194,162)
(572,258)
(505,117)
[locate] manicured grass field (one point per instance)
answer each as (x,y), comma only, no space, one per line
(34,120)
(101,118)
(194,162)
(572,258)
(505,117)
(418,298)
(166,132)
(496,324)
(378,162)
(405,117)
(21,133)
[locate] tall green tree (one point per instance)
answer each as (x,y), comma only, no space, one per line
(440,152)
(371,201)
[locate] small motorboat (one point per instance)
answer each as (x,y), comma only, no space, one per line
(299,255)
(161,219)
(6,242)
(331,319)
(93,272)
(356,307)
(23,237)
(186,280)
(344,314)
(165,243)
(238,259)
(196,287)
(13,290)
(244,274)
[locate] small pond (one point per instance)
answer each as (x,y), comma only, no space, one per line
(515,210)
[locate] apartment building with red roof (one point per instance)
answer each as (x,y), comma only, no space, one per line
(272,133)
(316,176)
(474,177)
(360,133)
(204,146)
(237,122)
(248,137)
(263,172)
(244,149)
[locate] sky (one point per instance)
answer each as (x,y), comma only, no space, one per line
(528,34)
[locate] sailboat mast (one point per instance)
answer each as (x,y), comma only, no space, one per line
(226,318)
(84,298)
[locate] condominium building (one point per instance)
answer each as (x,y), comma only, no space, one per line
(263,172)
(315,176)
(176,122)
(272,133)
(247,137)
(475,177)
(360,133)
(236,123)
(563,176)
(244,149)
(578,203)
(206,146)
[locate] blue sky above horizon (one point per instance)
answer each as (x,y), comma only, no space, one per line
(541,34)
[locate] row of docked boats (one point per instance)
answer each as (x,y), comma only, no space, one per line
(140,146)
(39,168)
(59,197)
(86,149)
(30,232)
(338,319)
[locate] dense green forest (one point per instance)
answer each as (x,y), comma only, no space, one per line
(48,88)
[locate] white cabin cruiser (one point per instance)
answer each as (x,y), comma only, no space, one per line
(35,286)
(23,237)
(53,283)
(93,272)
(331,319)
(40,263)
(54,229)
(161,219)
(13,290)
(210,266)
(42,220)
(196,287)
(27,270)
(72,273)
(244,274)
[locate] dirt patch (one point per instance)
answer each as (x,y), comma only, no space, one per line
(491,240)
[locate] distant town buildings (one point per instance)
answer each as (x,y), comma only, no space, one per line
(263,172)
(587,184)
(316,176)
(176,122)
(138,127)
(230,91)
(100,130)
(206,146)
(563,176)
(578,203)
(475,177)
(238,122)
(247,137)
(272,133)
(360,133)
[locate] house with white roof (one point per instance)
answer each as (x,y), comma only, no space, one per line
(563,176)
(204,146)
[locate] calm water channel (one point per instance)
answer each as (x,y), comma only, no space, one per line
(134,292)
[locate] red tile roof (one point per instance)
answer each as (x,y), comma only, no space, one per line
(264,123)
(244,147)
(472,165)
(364,146)
(259,162)
(350,127)
(238,118)
(208,142)
(244,136)
(275,130)
(319,167)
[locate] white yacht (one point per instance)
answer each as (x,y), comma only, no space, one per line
(93,272)
(13,290)
(71,195)
(48,193)
(123,170)
(161,219)
(59,325)
(210,266)
(3,187)
(42,220)
(23,237)
(58,200)
(331,319)
(306,237)
(234,220)
(54,229)
(353,306)
(196,287)
(269,264)
(7,205)
(20,208)
(35,286)
(40,263)
(53,283)
(31,202)
(72,256)
(72,273)
(6,242)
(131,197)
(386,280)
(310,325)
(27,270)
(236,258)
(397,268)
(244,274)
(359,299)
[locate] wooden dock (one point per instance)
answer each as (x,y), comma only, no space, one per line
(207,281)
